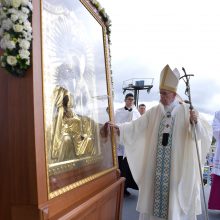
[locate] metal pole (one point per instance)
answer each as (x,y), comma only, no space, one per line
(188,93)
(135,97)
(200,169)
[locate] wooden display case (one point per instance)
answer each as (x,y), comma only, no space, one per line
(39,181)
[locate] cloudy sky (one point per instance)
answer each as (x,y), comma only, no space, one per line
(147,35)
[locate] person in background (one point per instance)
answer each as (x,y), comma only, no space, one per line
(214,197)
(128,113)
(142,109)
(161,152)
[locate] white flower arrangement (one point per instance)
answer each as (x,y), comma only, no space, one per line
(104,16)
(15,35)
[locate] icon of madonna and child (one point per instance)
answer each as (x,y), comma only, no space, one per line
(72,136)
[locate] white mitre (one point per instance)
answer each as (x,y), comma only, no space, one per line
(169,79)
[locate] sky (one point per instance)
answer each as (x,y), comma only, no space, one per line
(146,35)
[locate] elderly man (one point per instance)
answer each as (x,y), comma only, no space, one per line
(161,152)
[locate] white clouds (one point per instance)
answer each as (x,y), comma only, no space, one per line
(208,117)
(146,35)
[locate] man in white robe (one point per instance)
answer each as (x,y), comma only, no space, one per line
(167,124)
(125,114)
(142,108)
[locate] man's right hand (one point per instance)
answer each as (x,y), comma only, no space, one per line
(115,127)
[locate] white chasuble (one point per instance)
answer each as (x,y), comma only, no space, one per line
(140,138)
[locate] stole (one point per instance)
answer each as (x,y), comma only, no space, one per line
(163,165)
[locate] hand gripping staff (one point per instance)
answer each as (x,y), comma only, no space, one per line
(186,78)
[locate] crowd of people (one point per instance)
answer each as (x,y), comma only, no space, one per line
(157,153)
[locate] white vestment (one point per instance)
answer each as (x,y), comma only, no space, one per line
(140,139)
(216,133)
(121,116)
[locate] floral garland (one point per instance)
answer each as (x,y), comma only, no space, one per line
(108,24)
(15,35)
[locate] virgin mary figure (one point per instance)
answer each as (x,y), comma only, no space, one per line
(71,134)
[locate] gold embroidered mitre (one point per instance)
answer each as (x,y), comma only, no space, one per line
(169,79)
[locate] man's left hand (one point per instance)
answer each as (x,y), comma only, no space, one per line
(193,116)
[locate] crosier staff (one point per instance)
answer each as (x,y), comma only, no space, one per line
(186,78)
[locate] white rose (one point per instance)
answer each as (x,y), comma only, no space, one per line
(18,28)
(4,41)
(25,10)
(27,35)
(10,45)
(13,11)
(14,17)
(7,36)
(24,33)
(24,54)
(24,44)
(16,3)
(23,18)
(27,26)
(7,24)
(11,60)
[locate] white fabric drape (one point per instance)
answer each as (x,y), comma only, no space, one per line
(140,140)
